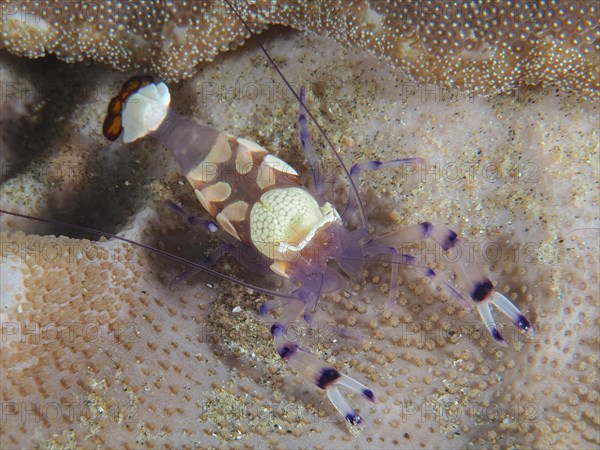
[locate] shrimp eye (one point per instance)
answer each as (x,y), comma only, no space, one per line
(112,127)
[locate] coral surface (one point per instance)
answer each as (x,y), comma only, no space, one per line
(481,47)
(98,349)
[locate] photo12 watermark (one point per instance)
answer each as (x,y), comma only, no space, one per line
(468,412)
(60,251)
(72,332)
(73,412)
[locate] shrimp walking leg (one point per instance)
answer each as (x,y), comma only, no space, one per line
(209,261)
(409,260)
(209,225)
(243,254)
(307,364)
(469,268)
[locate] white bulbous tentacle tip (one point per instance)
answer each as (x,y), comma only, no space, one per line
(145,110)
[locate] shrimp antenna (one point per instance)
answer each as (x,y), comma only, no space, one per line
(154,250)
(353,189)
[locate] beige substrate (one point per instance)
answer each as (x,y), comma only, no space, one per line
(98,350)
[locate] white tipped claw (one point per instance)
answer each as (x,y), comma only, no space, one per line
(485,311)
(513,313)
(339,402)
(507,308)
(357,387)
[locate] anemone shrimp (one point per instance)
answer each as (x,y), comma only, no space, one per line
(262,210)
(288,173)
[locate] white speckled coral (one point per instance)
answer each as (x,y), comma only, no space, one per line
(193,365)
(487,48)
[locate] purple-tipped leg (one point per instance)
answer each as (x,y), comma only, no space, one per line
(209,261)
(208,225)
(308,365)
(507,308)
(401,258)
(481,291)
(244,254)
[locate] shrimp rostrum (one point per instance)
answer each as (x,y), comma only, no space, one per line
(261,208)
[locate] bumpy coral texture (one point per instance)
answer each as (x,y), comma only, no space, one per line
(97,349)
(482,47)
